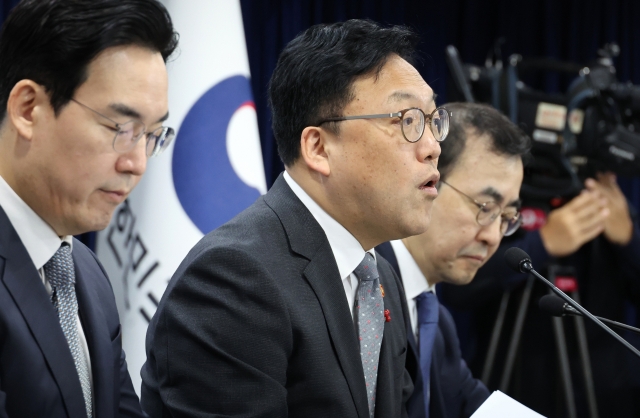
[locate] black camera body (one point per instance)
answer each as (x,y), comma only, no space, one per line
(594,126)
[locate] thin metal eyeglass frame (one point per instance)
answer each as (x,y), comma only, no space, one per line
(165,129)
(400,114)
(517,218)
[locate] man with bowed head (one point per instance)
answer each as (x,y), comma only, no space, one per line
(481,168)
(287,310)
(83,93)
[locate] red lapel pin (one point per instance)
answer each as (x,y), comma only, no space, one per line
(387,315)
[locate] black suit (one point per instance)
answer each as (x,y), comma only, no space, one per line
(454,391)
(255,322)
(37,375)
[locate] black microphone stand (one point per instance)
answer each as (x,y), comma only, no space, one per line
(528,267)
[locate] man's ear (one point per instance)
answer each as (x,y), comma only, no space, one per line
(312,149)
(22,105)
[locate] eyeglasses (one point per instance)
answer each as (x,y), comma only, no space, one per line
(490,210)
(129,133)
(413,122)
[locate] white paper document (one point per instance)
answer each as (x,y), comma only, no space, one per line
(500,405)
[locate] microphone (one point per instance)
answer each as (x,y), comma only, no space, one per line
(555,306)
(520,261)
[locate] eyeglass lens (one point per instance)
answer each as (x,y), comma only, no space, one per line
(413,124)
(509,222)
(129,133)
(439,124)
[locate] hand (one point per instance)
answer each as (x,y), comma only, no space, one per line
(618,228)
(574,224)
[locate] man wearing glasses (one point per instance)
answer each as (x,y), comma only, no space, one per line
(83,94)
(287,310)
(481,172)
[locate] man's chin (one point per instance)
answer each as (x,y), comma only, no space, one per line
(462,278)
(94,223)
(417,227)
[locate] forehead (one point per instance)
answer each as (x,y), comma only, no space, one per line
(397,83)
(129,76)
(478,168)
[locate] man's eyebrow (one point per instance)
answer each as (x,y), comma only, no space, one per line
(165,117)
(398,96)
(497,196)
(125,110)
(516,203)
(493,193)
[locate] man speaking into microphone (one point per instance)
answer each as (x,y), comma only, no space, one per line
(481,172)
(281,312)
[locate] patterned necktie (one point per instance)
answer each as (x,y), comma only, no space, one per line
(61,275)
(370,311)
(428,324)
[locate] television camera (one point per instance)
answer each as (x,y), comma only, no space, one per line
(594,126)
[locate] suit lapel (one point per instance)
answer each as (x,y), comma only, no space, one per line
(25,286)
(96,332)
(330,292)
(309,240)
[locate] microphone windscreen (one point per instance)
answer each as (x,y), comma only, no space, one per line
(552,305)
(514,256)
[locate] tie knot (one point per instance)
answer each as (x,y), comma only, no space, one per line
(427,304)
(59,269)
(367,269)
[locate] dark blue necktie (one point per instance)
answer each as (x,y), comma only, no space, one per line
(427,304)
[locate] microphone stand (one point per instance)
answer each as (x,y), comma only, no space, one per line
(570,310)
(527,266)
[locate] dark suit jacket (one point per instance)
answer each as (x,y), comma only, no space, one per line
(454,391)
(37,375)
(255,322)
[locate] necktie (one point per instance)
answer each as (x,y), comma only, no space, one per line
(61,275)
(427,304)
(370,311)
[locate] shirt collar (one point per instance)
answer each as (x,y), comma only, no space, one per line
(40,240)
(414,281)
(345,247)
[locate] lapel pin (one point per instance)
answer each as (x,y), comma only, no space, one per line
(387,315)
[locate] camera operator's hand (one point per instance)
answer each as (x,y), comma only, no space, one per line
(618,228)
(577,222)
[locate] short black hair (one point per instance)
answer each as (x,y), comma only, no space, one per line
(314,75)
(52,42)
(481,120)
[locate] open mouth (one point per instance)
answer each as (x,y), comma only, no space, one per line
(431,182)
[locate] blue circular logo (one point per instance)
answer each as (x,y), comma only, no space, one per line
(207,185)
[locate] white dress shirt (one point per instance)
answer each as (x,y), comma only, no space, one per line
(413,280)
(345,247)
(41,242)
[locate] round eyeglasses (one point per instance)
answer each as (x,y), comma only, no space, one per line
(413,122)
(510,219)
(129,133)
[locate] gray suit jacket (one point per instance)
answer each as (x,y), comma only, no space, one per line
(255,323)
